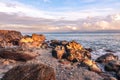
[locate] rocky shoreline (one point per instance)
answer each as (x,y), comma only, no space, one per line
(34,58)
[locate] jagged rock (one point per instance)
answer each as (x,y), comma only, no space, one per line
(39,38)
(30,72)
(75,56)
(17,54)
(113,66)
(76,52)
(92,65)
(74,45)
(36,41)
(44,45)
(58,52)
(106,58)
(9,38)
(54,43)
(63,43)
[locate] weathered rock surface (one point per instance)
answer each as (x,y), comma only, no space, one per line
(34,41)
(66,70)
(106,58)
(30,72)
(9,38)
(113,66)
(17,54)
(54,43)
(38,37)
(92,65)
(76,52)
(58,52)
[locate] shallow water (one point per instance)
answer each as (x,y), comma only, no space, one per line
(99,42)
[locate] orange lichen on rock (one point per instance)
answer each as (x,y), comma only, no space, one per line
(74,55)
(32,42)
(74,45)
(92,65)
(39,38)
(76,52)
(26,40)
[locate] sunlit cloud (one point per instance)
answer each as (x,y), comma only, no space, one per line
(20,16)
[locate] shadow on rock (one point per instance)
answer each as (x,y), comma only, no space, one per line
(30,72)
(17,54)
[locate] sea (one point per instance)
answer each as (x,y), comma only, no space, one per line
(100,43)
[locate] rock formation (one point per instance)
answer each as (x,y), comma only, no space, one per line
(9,38)
(17,54)
(76,52)
(106,58)
(34,41)
(58,52)
(30,72)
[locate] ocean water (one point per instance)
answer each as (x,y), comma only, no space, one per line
(99,42)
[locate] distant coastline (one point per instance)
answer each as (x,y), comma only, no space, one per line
(76,32)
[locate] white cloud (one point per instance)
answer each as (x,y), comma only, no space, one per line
(37,24)
(103,25)
(24,17)
(22,9)
(116,17)
(13,7)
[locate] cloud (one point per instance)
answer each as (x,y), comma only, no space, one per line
(30,24)
(72,13)
(18,16)
(21,9)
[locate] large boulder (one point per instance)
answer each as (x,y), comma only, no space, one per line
(33,71)
(76,52)
(34,41)
(74,45)
(38,37)
(9,38)
(107,58)
(17,54)
(113,66)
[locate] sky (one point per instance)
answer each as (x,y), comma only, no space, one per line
(60,15)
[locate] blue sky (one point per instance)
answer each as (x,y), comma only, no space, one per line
(68,5)
(60,15)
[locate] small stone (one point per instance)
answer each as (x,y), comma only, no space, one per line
(6,62)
